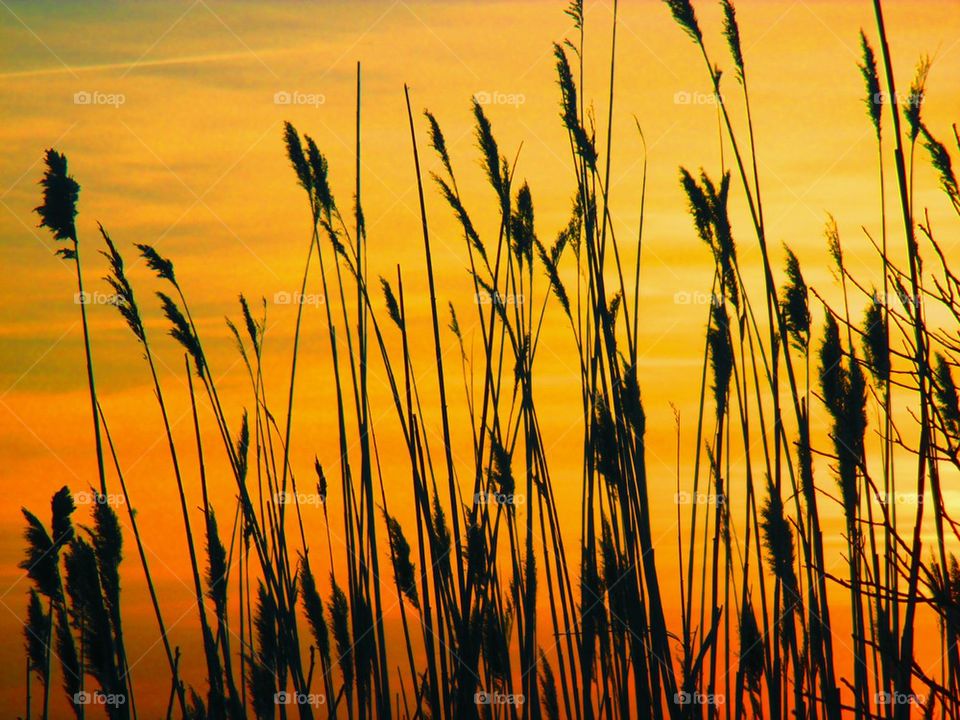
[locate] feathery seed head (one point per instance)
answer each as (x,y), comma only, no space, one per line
(832,378)
(521,224)
(501,473)
(319,180)
(491,155)
(549,260)
(947,397)
(569,111)
(438,142)
(871,78)
(441,537)
(940,159)
(62,507)
(918,89)
(778,539)
(60,194)
(732,32)
(721,355)
(160,265)
(403,568)
(107,542)
(699,206)
(574,10)
(297,159)
(751,647)
(182,332)
(35,632)
(833,243)
(393,308)
(216,567)
(321,479)
(340,621)
(313,607)
(41,562)
(254,329)
(126,303)
(686,18)
(548,689)
(876,342)
(793,303)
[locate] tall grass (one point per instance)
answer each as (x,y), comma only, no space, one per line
(472,579)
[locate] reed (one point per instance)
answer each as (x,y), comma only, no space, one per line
(487,555)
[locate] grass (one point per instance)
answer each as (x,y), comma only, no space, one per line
(754,634)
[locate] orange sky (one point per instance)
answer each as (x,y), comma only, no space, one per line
(181,147)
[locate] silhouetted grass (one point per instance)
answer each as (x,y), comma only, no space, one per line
(472,577)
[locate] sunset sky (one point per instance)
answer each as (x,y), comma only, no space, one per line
(171,115)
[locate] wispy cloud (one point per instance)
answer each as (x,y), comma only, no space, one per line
(227,57)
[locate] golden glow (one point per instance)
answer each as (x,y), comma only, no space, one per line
(171,116)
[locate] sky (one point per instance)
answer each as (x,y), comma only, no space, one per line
(171,116)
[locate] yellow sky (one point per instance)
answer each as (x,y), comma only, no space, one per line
(171,116)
